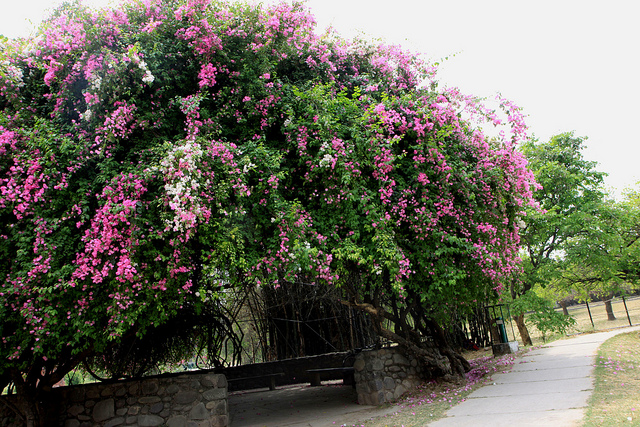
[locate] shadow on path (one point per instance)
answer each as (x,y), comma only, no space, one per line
(300,406)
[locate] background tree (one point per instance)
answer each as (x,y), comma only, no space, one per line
(603,261)
(570,199)
(542,314)
(557,291)
(156,155)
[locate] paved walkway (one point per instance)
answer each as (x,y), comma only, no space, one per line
(548,386)
(329,405)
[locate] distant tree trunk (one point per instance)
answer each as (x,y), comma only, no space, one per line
(522,328)
(563,304)
(607,306)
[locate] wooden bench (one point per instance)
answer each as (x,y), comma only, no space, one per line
(347,375)
(270,377)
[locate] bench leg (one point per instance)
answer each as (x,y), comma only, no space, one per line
(315,380)
(272,383)
(348,378)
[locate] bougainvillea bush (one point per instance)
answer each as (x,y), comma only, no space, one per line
(155,154)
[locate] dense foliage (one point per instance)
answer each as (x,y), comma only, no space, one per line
(602,262)
(541,314)
(153,155)
(571,199)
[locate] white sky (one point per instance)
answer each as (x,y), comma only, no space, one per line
(571,64)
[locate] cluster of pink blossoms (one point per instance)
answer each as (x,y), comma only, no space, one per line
(210,139)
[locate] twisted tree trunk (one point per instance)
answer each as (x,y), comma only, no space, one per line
(609,308)
(563,304)
(522,328)
(32,410)
(437,357)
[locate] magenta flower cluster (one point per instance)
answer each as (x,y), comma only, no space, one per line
(163,149)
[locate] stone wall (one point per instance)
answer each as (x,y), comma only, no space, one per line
(183,400)
(193,399)
(384,375)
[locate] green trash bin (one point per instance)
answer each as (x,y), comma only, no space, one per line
(502,329)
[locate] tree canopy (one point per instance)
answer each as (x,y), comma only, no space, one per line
(571,199)
(603,260)
(154,155)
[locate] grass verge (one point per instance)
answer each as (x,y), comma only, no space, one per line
(599,316)
(430,401)
(616,397)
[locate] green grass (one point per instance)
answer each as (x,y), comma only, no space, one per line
(614,402)
(616,397)
(599,315)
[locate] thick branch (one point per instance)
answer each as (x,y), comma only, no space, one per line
(436,362)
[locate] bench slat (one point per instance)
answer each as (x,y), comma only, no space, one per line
(315,374)
(271,377)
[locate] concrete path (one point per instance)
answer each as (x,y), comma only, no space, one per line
(548,386)
(330,405)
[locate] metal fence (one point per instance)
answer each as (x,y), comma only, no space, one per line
(592,316)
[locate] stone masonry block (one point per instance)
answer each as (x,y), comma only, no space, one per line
(215,394)
(104,410)
(173,389)
(222,381)
(220,421)
(177,421)
(389,383)
(199,412)
(150,387)
(150,421)
(185,397)
(114,422)
(359,364)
